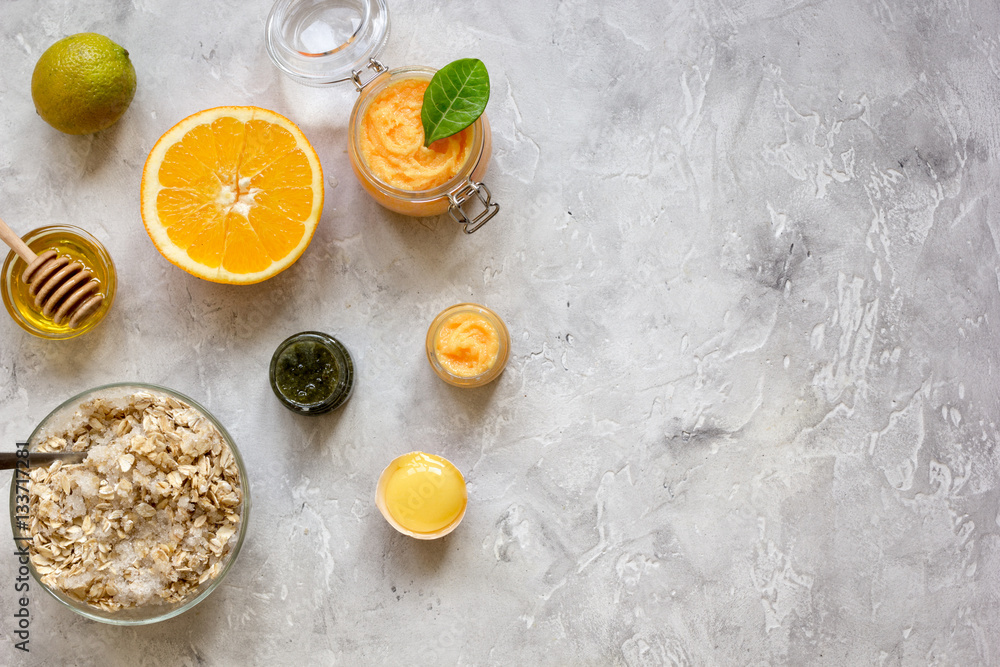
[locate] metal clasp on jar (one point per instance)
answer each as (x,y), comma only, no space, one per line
(464,194)
(374,65)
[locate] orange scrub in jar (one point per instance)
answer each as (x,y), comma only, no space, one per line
(392,141)
(467,344)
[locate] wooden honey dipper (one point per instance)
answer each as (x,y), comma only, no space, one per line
(65,290)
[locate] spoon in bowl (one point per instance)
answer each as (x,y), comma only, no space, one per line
(9,460)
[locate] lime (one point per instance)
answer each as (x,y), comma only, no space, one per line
(83,83)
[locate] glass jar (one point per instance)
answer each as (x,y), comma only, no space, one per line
(437,200)
(65,240)
(472,311)
(312,373)
(322,42)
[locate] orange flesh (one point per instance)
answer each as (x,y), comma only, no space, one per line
(235,194)
(466,345)
(392,141)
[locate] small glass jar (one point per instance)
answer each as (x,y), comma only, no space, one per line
(312,373)
(499,361)
(65,240)
(322,42)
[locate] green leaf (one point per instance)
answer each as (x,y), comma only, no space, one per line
(455,98)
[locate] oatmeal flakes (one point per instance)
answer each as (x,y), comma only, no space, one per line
(148,516)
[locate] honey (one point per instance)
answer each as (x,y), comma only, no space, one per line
(71,242)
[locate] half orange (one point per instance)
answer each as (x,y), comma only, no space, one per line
(232,194)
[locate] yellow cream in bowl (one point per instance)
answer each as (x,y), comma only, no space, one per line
(422,494)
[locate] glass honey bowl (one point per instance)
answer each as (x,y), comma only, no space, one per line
(66,240)
(324,42)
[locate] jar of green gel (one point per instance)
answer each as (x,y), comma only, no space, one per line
(312,373)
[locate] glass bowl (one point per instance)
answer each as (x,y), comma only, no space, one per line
(66,240)
(152,613)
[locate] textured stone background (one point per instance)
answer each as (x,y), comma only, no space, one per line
(748,254)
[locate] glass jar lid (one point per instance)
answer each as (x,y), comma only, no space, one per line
(319,42)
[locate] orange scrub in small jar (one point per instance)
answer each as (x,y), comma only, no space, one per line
(468,345)
(392,141)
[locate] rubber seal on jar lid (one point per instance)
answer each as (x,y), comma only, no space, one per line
(320,42)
